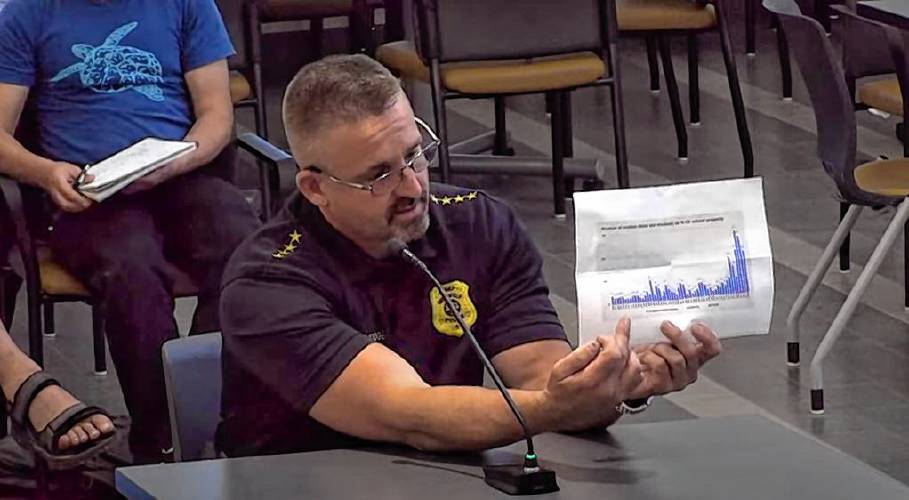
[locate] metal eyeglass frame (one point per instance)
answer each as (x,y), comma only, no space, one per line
(408,163)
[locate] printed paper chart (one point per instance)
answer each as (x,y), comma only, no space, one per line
(682,252)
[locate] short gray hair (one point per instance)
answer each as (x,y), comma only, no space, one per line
(335,90)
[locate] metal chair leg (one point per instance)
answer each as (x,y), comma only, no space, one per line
(618,117)
(672,88)
(35,335)
(782,47)
(822,14)
(844,248)
(98,341)
(814,280)
(653,64)
(903,137)
(735,91)
(906,266)
(49,327)
(361,28)
(694,87)
(316,30)
(839,322)
(10,283)
(558,167)
(438,109)
(750,25)
(567,139)
(500,145)
(261,110)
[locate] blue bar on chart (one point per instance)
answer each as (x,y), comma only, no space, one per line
(735,284)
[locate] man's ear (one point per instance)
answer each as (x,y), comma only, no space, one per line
(308,184)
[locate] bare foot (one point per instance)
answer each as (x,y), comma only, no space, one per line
(51,402)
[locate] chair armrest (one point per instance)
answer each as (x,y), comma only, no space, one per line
(277,168)
(264,150)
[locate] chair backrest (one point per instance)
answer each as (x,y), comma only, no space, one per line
(833,108)
(192,378)
(465,30)
(864,47)
(234,14)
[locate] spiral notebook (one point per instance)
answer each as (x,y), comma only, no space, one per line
(118,171)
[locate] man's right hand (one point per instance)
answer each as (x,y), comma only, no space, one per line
(58,180)
(585,386)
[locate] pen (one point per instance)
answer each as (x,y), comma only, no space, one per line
(81,176)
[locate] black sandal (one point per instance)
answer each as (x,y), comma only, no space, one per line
(46,442)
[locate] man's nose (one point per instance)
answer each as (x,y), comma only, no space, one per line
(410,185)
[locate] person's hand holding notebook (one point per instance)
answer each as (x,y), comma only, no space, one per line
(118,171)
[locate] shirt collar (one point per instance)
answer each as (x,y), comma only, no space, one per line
(360,264)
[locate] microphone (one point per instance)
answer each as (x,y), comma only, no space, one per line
(525,479)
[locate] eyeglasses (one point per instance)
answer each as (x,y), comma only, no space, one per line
(388,181)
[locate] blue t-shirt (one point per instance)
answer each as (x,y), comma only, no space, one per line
(104,75)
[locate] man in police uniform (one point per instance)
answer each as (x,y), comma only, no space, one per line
(329,340)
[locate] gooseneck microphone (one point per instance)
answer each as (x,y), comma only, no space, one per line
(525,479)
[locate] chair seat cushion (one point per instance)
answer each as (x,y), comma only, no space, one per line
(884,177)
(499,77)
(55,280)
(58,281)
(883,95)
(287,10)
(654,15)
(239,87)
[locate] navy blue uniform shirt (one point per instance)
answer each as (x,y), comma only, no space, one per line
(300,301)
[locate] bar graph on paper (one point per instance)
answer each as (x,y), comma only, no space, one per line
(683,252)
(735,284)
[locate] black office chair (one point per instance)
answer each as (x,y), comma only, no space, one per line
(495,48)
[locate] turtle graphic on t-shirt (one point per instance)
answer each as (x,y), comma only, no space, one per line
(111,67)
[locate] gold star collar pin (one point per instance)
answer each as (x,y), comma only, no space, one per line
(454,200)
(294,239)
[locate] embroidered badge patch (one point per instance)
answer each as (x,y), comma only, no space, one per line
(454,200)
(293,241)
(442,318)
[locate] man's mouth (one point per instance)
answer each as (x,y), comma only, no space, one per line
(409,207)
(405,205)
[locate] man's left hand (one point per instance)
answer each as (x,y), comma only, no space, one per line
(151,180)
(672,366)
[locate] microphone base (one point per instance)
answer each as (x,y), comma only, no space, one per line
(515,480)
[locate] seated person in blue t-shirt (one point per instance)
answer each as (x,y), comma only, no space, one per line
(329,340)
(98,76)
